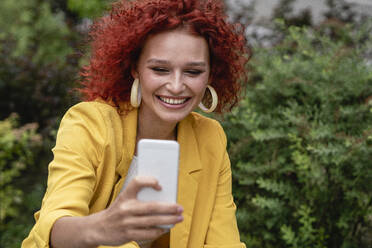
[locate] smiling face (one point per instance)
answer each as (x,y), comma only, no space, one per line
(173,70)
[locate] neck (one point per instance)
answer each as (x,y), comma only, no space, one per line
(149,127)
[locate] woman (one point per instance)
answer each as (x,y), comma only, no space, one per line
(152,63)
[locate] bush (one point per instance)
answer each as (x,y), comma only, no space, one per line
(38,67)
(39,60)
(19,147)
(92,8)
(301,143)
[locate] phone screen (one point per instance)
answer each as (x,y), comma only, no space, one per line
(160,159)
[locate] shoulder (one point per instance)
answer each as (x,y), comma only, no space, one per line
(91,128)
(87,119)
(93,108)
(92,120)
(208,129)
(92,114)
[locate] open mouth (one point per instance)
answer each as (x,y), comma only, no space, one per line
(173,101)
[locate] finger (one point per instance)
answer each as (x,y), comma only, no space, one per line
(155,208)
(151,221)
(137,183)
(145,233)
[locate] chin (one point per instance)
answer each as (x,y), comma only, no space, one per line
(173,117)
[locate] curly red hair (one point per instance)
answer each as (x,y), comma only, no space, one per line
(117,40)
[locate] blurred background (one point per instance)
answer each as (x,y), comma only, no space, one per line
(300,142)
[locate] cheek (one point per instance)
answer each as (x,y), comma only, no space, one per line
(148,84)
(200,90)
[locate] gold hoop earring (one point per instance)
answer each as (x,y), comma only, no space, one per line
(135,94)
(214,101)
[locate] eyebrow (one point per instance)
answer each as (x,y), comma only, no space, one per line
(166,62)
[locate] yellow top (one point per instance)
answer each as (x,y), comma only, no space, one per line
(94,148)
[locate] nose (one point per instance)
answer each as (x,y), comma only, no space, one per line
(175,84)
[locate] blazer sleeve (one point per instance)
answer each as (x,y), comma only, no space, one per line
(72,176)
(223,230)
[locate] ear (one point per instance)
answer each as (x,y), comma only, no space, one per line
(210,76)
(210,80)
(133,71)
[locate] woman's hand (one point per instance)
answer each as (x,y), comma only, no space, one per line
(129,219)
(125,220)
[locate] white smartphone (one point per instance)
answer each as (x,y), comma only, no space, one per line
(160,159)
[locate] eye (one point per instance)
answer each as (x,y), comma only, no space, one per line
(194,72)
(160,69)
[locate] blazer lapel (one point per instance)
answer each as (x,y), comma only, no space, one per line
(129,124)
(189,170)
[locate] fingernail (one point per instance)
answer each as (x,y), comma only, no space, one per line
(180,218)
(180,209)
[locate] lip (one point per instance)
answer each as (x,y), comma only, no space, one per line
(173,106)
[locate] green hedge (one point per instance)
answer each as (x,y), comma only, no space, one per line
(301,142)
(40,55)
(19,147)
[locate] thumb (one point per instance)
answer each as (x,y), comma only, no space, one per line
(139,182)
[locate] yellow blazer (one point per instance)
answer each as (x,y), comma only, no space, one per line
(94,149)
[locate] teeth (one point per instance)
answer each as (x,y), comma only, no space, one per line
(172,100)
